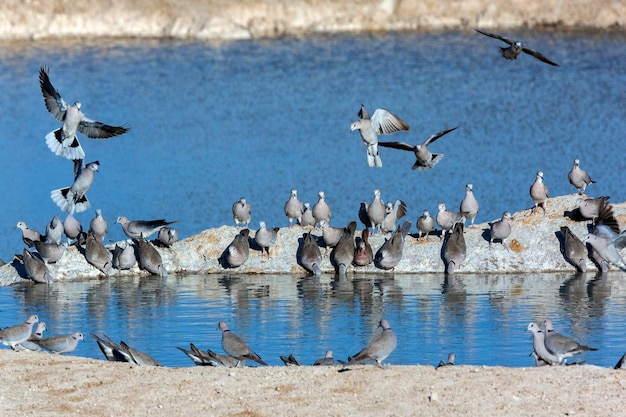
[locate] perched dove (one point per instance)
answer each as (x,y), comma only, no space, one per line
(515,48)
(446,219)
(54,230)
(309,254)
(61,344)
(124,255)
(266,238)
(139,357)
(376,211)
(236,347)
(606,243)
(237,252)
(327,360)
(590,208)
(307,216)
(381,122)
(241,212)
(63,141)
(454,250)
(321,209)
(425,224)
(379,348)
(98,255)
(560,345)
(72,228)
(363,253)
(331,235)
(36,335)
(36,269)
(424,159)
(539,347)
(363,216)
(500,229)
(28,235)
(50,252)
(574,249)
(393,212)
(390,253)
(469,205)
(73,199)
(99,226)
(167,236)
(343,254)
(14,335)
(539,192)
(149,258)
(294,208)
(146,228)
(579,178)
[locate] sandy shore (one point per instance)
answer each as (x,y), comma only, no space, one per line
(48,385)
(245,19)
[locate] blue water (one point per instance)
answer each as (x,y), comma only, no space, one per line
(211,123)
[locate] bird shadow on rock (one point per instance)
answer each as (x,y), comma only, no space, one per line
(574,215)
(486,234)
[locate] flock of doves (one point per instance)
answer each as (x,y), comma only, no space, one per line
(549,347)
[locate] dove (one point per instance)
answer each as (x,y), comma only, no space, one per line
(124,255)
(266,238)
(36,269)
(606,243)
(539,347)
(559,345)
(621,363)
(579,178)
(469,205)
(54,230)
(72,227)
(237,252)
(167,236)
(590,208)
(307,216)
(149,258)
(327,360)
(63,141)
(390,253)
(208,358)
(539,193)
(574,249)
(379,348)
(294,208)
(241,212)
(515,48)
(134,229)
(446,219)
(343,254)
(454,250)
(290,360)
(500,229)
(376,211)
(381,122)
(198,357)
(36,335)
(14,335)
(138,357)
(425,224)
(236,347)
(309,255)
(61,344)
(321,210)
(98,255)
(393,211)
(99,226)
(363,253)
(28,235)
(449,362)
(111,350)
(73,199)
(363,217)
(331,235)
(424,159)
(50,252)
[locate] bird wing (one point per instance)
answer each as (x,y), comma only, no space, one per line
(397,145)
(363,114)
(52,98)
(385,122)
(97,130)
(493,35)
(438,135)
(539,56)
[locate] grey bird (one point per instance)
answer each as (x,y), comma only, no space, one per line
(379,348)
(606,243)
(124,255)
(342,255)
(294,208)
(539,346)
(393,212)
(590,208)
(208,358)
(98,255)
(469,205)
(28,235)
(321,209)
(500,229)
(73,199)
(266,238)
(99,226)
(72,227)
(54,230)
(424,159)
(36,335)
(167,236)
(446,219)
(327,360)
(390,253)
(63,141)
(381,122)
(149,258)
(425,224)
(241,212)
(112,351)
(309,255)
(376,211)
(621,363)
(539,192)
(574,249)
(290,360)
(196,355)
(363,253)
(50,252)
(36,269)
(331,235)
(61,344)
(138,357)
(237,252)
(146,228)
(579,178)
(454,249)
(449,362)
(236,347)
(307,216)
(14,335)
(560,345)
(515,48)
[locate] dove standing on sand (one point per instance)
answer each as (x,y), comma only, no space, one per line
(266,238)
(294,208)
(469,205)
(99,226)
(579,178)
(515,48)
(50,252)
(139,357)
(28,235)
(98,255)
(539,346)
(167,236)
(393,212)
(309,254)
(363,253)
(446,219)
(237,252)
(539,192)
(72,227)
(14,335)
(425,224)
(343,254)
(381,122)
(379,348)
(424,159)
(241,212)
(54,230)
(327,360)
(61,344)
(390,253)
(135,229)
(560,345)
(574,249)
(606,243)
(63,141)
(124,255)
(454,250)
(307,216)
(149,258)
(321,209)
(36,269)
(111,350)
(376,211)
(73,199)
(500,229)
(236,347)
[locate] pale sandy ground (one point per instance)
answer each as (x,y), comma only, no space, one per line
(48,385)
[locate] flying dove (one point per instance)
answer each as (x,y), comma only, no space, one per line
(294,208)
(63,141)
(579,178)
(73,199)
(237,252)
(149,258)
(390,253)
(539,347)
(309,255)
(560,345)
(54,230)
(241,212)
(381,122)
(124,255)
(28,235)
(424,159)
(307,216)
(236,347)
(500,229)
(515,48)
(36,269)
(98,255)
(137,228)
(14,335)
(393,212)
(469,204)
(539,192)
(454,250)
(321,209)
(425,224)
(376,211)
(343,254)
(266,238)
(61,344)
(379,348)
(363,253)
(99,226)
(574,249)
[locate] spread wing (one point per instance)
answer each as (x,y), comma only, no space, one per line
(52,98)
(438,135)
(386,122)
(397,145)
(539,56)
(97,130)
(493,35)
